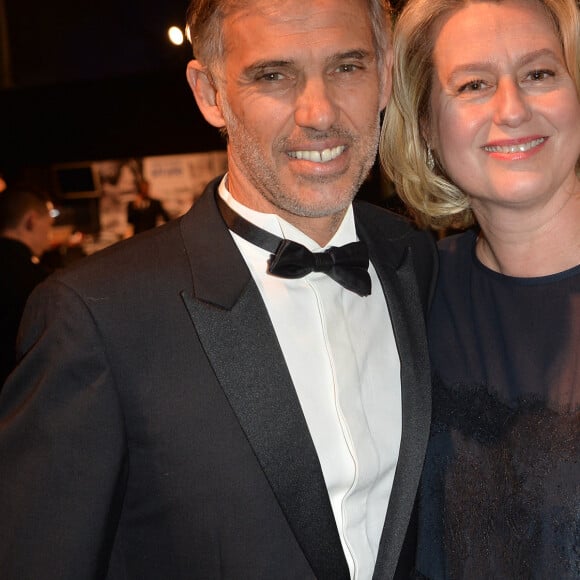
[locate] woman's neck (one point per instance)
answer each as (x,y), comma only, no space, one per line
(530,243)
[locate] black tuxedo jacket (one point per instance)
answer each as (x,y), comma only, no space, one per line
(152,430)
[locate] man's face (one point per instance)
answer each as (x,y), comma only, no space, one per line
(300,95)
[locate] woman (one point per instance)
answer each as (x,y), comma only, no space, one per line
(486,99)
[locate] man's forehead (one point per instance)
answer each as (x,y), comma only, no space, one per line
(290,12)
(291,23)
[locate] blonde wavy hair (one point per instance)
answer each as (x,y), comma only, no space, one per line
(434,200)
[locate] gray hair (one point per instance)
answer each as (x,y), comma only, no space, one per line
(205,20)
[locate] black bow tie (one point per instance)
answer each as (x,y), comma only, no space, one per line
(347,265)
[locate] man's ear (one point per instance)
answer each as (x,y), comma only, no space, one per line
(29,220)
(205,93)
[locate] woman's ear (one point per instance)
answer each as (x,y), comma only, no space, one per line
(425,128)
(205,93)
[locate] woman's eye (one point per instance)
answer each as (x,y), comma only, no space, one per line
(540,75)
(472,86)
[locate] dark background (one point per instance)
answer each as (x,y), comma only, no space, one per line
(87,81)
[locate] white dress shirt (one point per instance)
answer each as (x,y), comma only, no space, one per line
(341,354)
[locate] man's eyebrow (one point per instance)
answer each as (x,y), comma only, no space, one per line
(264,65)
(259,67)
(357,54)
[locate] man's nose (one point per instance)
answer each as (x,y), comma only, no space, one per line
(315,105)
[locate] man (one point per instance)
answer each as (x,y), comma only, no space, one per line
(144,212)
(196,413)
(25,232)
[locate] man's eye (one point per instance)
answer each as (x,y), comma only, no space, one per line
(345,68)
(272,77)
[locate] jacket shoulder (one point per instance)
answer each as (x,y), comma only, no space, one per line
(393,236)
(138,262)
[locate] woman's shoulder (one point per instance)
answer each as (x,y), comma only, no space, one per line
(458,244)
(456,252)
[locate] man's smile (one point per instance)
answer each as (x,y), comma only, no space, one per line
(315,156)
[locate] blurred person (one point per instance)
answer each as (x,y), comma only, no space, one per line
(486,97)
(145,212)
(253,402)
(25,234)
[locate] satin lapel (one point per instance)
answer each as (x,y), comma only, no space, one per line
(233,326)
(393,261)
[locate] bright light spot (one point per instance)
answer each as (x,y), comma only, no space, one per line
(175,35)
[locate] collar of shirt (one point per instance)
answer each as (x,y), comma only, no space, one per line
(278,226)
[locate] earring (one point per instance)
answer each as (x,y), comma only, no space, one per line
(430,160)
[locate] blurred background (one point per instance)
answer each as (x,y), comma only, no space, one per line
(82,81)
(93,100)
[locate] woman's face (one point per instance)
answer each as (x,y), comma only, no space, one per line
(505,115)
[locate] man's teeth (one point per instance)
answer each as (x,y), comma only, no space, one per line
(318,156)
(519,148)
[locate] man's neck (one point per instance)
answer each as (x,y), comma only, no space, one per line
(320,229)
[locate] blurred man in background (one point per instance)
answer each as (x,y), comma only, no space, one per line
(145,212)
(25,231)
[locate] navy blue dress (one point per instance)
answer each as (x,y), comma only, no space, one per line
(500,496)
